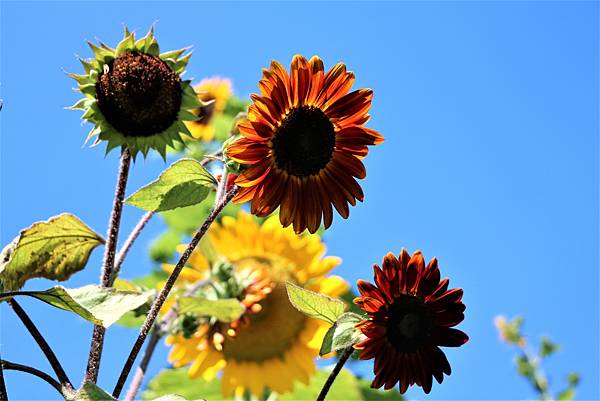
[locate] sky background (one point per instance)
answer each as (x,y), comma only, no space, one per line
(490,114)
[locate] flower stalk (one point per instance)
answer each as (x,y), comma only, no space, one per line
(334,373)
(164,292)
(107,277)
(4,364)
(42,343)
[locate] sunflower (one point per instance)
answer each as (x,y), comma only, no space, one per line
(134,95)
(303,141)
(272,345)
(411,314)
(215,92)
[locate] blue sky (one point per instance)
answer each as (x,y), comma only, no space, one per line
(490,113)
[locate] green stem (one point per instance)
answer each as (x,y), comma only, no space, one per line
(336,370)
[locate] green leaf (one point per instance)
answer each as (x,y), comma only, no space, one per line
(525,367)
(183,183)
(313,304)
(547,347)
(224,310)
(101,306)
(151,280)
(342,334)
(177,381)
(90,392)
(187,220)
(346,387)
(134,318)
(163,248)
(566,395)
(573,379)
(53,249)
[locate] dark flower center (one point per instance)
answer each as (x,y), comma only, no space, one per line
(139,94)
(303,144)
(409,323)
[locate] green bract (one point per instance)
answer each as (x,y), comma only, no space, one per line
(134,95)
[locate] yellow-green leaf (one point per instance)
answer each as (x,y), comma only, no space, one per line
(342,334)
(313,304)
(101,306)
(225,310)
(53,249)
(90,392)
(184,183)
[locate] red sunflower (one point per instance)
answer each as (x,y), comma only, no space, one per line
(303,143)
(411,314)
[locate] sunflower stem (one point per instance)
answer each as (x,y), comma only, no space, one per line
(7,365)
(128,244)
(333,375)
(42,343)
(164,292)
(3,393)
(157,334)
(95,354)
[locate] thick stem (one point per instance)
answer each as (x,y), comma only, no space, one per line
(136,383)
(162,295)
(41,341)
(128,243)
(93,364)
(336,370)
(33,371)
(158,332)
(3,393)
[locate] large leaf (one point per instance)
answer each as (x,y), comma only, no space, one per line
(347,387)
(183,183)
(313,304)
(163,248)
(53,249)
(101,306)
(134,318)
(91,392)
(224,310)
(177,381)
(342,334)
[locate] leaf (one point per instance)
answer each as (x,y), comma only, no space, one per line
(313,304)
(183,183)
(566,395)
(342,334)
(186,220)
(101,306)
(163,248)
(90,392)
(346,387)
(134,318)
(547,347)
(53,249)
(224,310)
(177,381)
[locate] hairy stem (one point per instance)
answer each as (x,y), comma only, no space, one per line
(136,383)
(41,341)
(128,243)
(3,393)
(157,333)
(93,364)
(162,295)
(336,370)
(7,365)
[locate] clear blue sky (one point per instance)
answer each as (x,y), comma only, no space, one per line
(490,113)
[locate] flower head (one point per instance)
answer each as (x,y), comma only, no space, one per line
(303,143)
(411,314)
(135,96)
(272,345)
(215,92)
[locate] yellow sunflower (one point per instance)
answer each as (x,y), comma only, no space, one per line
(219,91)
(273,345)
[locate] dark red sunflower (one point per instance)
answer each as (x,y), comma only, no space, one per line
(303,143)
(411,314)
